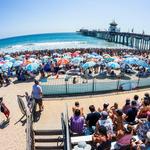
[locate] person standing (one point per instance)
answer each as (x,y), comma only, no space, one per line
(37,94)
(4,109)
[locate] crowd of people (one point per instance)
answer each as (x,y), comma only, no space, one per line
(128,126)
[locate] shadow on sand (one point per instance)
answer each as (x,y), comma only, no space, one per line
(4,124)
(36,116)
(26,81)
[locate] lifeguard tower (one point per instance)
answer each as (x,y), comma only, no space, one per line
(113,27)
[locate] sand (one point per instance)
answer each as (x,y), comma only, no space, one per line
(13,137)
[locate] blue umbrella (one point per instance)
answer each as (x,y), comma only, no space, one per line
(7,65)
(32,67)
(142,63)
(88,64)
(113,65)
(95,54)
(17,63)
(77,59)
(131,60)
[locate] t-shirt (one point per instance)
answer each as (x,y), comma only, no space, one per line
(77,124)
(36,91)
(131,113)
(108,124)
(92,118)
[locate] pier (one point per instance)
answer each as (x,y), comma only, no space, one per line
(133,40)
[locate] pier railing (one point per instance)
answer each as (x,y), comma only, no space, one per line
(55,87)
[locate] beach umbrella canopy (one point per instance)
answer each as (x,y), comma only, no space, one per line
(113,65)
(106,55)
(63,61)
(75,54)
(46,57)
(131,60)
(77,60)
(142,63)
(7,65)
(32,67)
(67,56)
(117,59)
(2,63)
(94,53)
(17,63)
(88,64)
(109,58)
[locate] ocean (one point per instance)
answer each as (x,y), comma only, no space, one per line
(53,41)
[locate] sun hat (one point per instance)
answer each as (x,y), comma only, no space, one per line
(82,146)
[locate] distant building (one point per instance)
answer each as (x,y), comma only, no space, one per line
(113,27)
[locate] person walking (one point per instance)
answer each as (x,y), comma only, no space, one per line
(4,109)
(37,95)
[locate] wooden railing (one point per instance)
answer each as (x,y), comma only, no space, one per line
(65,130)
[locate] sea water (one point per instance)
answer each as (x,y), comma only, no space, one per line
(53,41)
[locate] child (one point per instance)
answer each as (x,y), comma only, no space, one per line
(4,109)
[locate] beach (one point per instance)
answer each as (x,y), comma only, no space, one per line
(15,134)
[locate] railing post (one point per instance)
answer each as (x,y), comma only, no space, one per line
(93,85)
(118,83)
(66,85)
(138,82)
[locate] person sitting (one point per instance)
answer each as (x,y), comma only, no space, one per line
(91,120)
(131,114)
(123,141)
(136,98)
(105,107)
(102,139)
(77,106)
(118,121)
(126,107)
(113,74)
(105,121)
(139,145)
(143,128)
(144,109)
(112,111)
(77,122)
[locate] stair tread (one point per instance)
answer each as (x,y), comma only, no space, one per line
(48,132)
(48,139)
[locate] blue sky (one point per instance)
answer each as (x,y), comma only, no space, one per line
(19,17)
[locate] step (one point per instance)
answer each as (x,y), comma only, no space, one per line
(48,139)
(48,132)
(49,147)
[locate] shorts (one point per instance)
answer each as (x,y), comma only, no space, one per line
(38,101)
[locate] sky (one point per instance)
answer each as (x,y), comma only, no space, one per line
(23,17)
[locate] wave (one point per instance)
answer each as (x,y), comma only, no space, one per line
(46,45)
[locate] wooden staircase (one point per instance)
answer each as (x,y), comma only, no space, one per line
(48,140)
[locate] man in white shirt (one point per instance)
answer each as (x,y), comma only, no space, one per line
(37,94)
